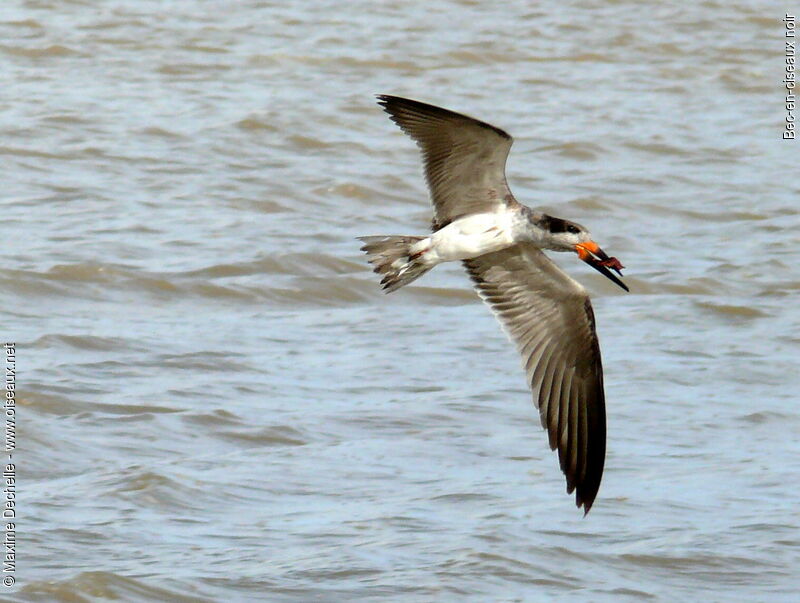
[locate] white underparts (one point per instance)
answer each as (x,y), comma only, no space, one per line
(467,238)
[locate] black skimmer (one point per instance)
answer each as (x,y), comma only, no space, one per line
(545,313)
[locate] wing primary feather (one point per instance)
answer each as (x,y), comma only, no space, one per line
(563,420)
(572,431)
(555,370)
(423,113)
(541,383)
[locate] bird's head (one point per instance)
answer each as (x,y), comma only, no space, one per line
(563,235)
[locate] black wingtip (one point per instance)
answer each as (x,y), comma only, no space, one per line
(396,105)
(384,100)
(388,101)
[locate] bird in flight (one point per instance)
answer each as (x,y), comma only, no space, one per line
(544,312)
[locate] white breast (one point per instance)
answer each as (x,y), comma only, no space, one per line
(470,237)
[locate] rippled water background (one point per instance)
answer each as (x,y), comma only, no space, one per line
(217,402)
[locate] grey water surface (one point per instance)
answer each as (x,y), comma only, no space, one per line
(217,403)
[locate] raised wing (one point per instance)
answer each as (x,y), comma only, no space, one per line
(464,158)
(549,317)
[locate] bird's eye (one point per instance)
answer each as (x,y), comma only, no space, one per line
(573,229)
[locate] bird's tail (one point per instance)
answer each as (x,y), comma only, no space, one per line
(395,258)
